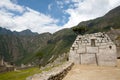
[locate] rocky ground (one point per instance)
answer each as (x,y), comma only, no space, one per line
(85,72)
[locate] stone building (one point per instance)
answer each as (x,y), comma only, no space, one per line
(95,49)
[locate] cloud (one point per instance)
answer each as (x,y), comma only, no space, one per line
(67,1)
(7,4)
(29,19)
(49,6)
(88,9)
(60,3)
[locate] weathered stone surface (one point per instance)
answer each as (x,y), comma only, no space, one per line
(88,59)
(95,48)
(81,49)
(56,73)
(91,49)
(108,57)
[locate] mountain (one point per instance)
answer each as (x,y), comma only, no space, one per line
(27,32)
(111,19)
(22,47)
(18,46)
(4,31)
(59,43)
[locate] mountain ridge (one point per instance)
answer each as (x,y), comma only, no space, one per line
(27,44)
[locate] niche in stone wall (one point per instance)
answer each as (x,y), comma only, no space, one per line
(73,48)
(110,47)
(93,42)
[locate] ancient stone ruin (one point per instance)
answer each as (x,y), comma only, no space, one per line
(56,73)
(95,49)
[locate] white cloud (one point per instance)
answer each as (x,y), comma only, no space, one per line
(81,10)
(49,6)
(114,3)
(35,21)
(89,9)
(30,19)
(60,3)
(7,4)
(67,1)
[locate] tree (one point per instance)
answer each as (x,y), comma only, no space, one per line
(39,56)
(80,30)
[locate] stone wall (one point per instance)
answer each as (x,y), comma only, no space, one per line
(57,73)
(6,69)
(118,52)
(97,49)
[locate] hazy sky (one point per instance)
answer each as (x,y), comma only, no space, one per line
(50,15)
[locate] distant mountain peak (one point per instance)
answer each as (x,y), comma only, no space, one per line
(5,31)
(27,32)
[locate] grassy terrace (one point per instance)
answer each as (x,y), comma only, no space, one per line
(21,74)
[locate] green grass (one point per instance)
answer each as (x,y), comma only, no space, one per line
(19,75)
(23,74)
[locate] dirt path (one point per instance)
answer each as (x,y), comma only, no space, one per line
(85,72)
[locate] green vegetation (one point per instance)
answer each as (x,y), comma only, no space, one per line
(60,43)
(19,75)
(80,30)
(23,74)
(39,56)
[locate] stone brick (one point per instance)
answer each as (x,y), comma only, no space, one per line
(88,59)
(91,49)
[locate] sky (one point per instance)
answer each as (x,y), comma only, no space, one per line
(50,15)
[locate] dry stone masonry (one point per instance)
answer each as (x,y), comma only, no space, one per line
(57,73)
(96,49)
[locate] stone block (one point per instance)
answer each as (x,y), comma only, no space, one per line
(88,59)
(103,46)
(81,49)
(107,57)
(76,59)
(83,44)
(75,45)
(104,43)
(79,43)
(88,44)
(71,54)
(103,40)
(98,44)
(92,49)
